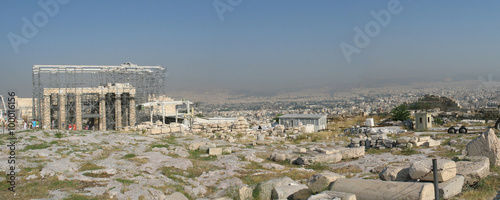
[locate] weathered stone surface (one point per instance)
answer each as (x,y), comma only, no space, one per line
(264,189)
(452,187)
(279,157)
(326,151)
(157,160)
(353,152)
(474,170)
(331,158)
(283,192)
(432,143)
(403,140)
(423,170)
(332,195)
(245,193)
(303,194)
(376,189)
(176,196)
(487,144)
(424,138)
(206,147)
(196,145)
(273,166)
(395,173)
(59,166)
(215,151)
(254,158)
(227,150)
(322,181)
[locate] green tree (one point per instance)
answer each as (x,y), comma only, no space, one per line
(277,119)
(400,113)
(438,121)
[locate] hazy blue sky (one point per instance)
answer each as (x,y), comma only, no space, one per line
(261,45)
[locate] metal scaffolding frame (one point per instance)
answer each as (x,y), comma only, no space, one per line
(148,82)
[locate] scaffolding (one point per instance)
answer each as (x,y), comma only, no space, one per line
(102,97)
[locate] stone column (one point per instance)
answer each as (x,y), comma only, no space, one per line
(62,111)
(102,112)
(118,111)
(78,111)
(46,112)
(131,112)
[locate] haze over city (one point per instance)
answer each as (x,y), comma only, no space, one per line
(256,46)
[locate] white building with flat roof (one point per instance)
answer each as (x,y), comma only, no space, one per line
(295,120)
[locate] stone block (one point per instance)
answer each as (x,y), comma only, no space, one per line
(378,189)
(423,170)
(424,138)
(283,192)
(432,143)
(322,181)
(474,170)
(452,187)
(155,131)
(264,189)
(332,158)
(395,173)
(353,152)
(215,151)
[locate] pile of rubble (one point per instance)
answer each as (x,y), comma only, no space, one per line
(303,156)
(158,127)
(380,141)
(239,125)
(211,128)
(397,182)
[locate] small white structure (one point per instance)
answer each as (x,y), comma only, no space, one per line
(423,120)
(369,122)
(295,120)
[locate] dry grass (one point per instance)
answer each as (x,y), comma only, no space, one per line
(36,189)
(99,175)
(487,188)
(440,151)
(89,166)
(349,169)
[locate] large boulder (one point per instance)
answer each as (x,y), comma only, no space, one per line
(264,189)
(395,173)
(487,144)
(423,170)
(279,157)
(286,191)
(452,187)
(322,181)
(474,170)
(376,189)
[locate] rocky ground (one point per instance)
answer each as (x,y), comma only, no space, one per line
(130,165)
